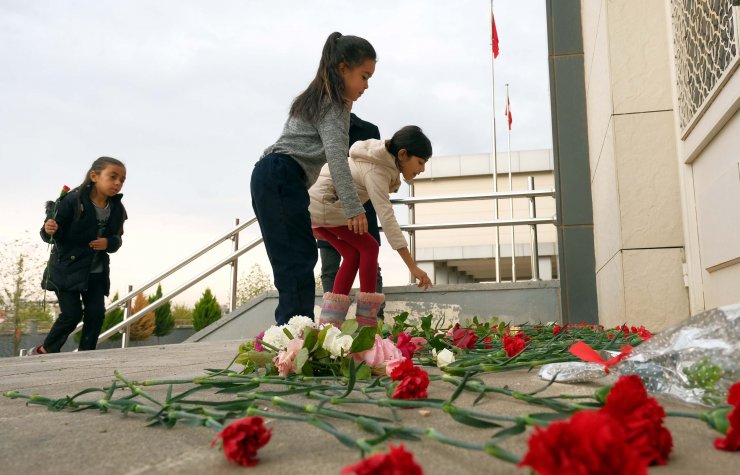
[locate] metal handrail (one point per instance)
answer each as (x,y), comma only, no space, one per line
(154,280)
(532,221)
(169,296)
(474,196)
(479,224)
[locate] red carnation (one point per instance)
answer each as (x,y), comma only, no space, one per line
(406,345)
(242,439)
(642,418)
(413,386)
(463,337)
(401,369)
(398,461)
(590,442)
(731,440)
(516,344)
(556,329)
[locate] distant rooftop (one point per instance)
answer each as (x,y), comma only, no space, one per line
(522,161)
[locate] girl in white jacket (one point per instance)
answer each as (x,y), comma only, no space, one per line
(376,167)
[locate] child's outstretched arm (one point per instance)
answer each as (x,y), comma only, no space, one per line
(424,281)
(378,189)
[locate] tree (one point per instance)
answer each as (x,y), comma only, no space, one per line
(21,266)
(164,321)
(182,312)
(206,311)
(255,283)
(144,327)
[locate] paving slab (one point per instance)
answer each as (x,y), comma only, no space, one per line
(34,440)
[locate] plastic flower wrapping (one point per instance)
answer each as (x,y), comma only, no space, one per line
(695,361)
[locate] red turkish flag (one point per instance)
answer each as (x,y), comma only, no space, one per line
(507,112)
(494,37)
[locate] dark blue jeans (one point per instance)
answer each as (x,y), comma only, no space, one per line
(88,306)
(280,201)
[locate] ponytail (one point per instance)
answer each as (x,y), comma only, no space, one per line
(328,84)
(412,139)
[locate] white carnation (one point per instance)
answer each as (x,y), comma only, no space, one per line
(276,337)
(445,357)
(337,343)
(297,324)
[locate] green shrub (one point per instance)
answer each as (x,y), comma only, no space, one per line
(164,321)
(206,311)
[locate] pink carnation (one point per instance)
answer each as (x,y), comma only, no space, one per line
(381,352)
(284,359)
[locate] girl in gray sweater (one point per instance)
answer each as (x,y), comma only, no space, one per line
(316,133)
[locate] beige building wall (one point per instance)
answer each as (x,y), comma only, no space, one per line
(663,94)
(638,232)
(706,92)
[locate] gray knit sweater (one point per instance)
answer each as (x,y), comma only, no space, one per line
(313,145)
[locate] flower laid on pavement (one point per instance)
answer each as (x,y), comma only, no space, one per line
(396,462)
(444,357)
(513,345)
(242,438)
(590,442)
(642,418)
(731,441)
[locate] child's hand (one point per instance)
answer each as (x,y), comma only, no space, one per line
(100,244)
(424,281)
(50,227)
(357,224)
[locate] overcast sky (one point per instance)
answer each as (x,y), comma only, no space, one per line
(188,94)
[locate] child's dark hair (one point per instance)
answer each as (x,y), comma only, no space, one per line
(350,50)
(413,140)
(97,166)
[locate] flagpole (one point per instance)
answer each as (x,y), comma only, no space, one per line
(494,163)
(511,188)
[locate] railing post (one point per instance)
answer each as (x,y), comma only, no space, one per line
(126,314)
(234,270)
(412,233)
(535,255)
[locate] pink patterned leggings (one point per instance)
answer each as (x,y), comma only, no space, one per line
(359,252)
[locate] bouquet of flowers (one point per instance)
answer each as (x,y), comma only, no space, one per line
(307,348)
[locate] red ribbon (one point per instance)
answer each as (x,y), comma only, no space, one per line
(586,353)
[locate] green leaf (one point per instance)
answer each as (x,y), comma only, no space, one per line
(364,372)
(300,359)
(260,358)
(426,323)
(287,332)
(516,429)
(343,438)
(311,338)
(322,335)
(370,425)
(463,418)
(364,340)
(307,369)
(349,327)
(401,317)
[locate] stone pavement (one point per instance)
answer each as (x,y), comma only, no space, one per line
(36,441)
